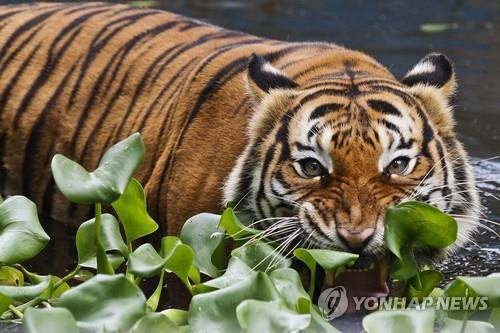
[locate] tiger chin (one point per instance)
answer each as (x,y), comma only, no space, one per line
(326,158)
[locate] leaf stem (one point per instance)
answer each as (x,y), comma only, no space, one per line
(189,287)
(14,310)
(103,265)
(66,278)
(129,275)
(37,300)
(312,283)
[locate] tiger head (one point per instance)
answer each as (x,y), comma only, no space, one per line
(326,158)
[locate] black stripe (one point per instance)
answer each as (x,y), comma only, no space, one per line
(125,49)
(405,144)
(225,74)
(25,28)
(5,16)
(384,107)
(313,131)
(52,61)
(281,179)
(301,147)
(166,87)
(117,61)
(391,126)
(323,110)
(97,45)
(444,167)
(316,227)
(5,95)
(30,148)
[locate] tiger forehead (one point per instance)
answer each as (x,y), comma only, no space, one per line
(369,123)
(360,114)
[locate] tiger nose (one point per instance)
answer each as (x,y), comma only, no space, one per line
(355,240)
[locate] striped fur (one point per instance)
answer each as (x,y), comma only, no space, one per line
(75,78)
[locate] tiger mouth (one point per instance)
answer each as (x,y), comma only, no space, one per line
(368,277)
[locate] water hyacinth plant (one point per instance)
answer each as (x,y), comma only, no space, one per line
(254,290)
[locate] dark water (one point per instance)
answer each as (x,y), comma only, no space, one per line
(398,34)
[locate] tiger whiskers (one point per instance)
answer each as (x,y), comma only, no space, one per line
(280,255)
(282,226)
(278,249)
(241,200)
(248,227)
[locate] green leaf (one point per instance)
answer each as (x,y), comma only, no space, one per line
(145,261)
(413,225)
(37,279)
(428,281)
(154,299)
(4,303)
(261,257)
(133,214)
(289,285)
(397,321)
(26,293)
(109,302)
(83,275)
(10,276)
(237,271)
(53,320)
(494,318)
(175,257)
(111,239)
(237,230)
(202,234)
(108,182)
(19,224)
(487,286)
(318,324)
(215,311)
(179,258)
(329,260)
(157,322)
(180,317)
(472,326)
(272,316)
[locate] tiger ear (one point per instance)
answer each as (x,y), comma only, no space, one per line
(436,71)
(433,81)
(262,78)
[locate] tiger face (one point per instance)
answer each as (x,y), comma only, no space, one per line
(327,158)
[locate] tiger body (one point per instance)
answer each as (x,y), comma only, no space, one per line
(218,127)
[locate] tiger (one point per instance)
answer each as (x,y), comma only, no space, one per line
(310,141)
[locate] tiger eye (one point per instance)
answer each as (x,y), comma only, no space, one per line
(398,166)
(312,168)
